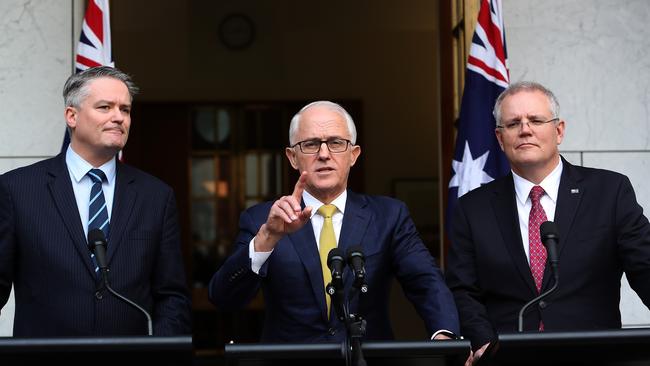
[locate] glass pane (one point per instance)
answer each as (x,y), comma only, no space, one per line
(264,179)
(204,221)
(278,175)
(203,182)
(223,128)
(225,179)
(203,128)
(251,178)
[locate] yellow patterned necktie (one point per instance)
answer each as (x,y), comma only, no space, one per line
(326,243)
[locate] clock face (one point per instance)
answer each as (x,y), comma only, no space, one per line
(236,31)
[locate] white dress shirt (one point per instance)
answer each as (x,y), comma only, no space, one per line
(82,184)
(551,185)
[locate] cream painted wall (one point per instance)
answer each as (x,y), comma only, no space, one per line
(36,49)
(595,55)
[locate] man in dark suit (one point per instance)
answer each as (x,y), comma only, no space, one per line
(46,210)
(279,243)
(496,261)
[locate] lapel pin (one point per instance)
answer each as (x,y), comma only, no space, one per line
(575,190)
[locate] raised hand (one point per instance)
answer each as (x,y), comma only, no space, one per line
(285,216)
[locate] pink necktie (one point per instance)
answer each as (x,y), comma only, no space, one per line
(536,249)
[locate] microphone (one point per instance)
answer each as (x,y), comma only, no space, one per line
(97,244)
(356,261)
(336,262)
(550,239)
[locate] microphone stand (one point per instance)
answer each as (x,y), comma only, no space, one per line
(104,272)
(355,326)
(539,298)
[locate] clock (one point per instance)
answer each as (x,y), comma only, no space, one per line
(236,31)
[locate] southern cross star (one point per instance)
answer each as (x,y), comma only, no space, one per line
(469,172)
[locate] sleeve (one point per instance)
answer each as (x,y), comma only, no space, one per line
(463,282)
(421,278)
(235,284)
(633,239)
(171,315)
(7,244)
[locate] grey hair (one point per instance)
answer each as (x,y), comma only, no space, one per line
(528,86)
(75,89)
(295,121)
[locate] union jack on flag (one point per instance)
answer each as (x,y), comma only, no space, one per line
(478,159)
(94,47)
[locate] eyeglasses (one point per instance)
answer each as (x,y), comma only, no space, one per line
(335,145)
(516,125)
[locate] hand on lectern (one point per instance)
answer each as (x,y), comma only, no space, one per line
(474,357)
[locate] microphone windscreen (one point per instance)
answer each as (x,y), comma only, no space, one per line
(96,235)
(548,230)
(335,253)
(356,251)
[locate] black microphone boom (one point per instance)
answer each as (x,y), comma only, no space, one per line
(97,244)
(335,262)
(550,238)
(356,260)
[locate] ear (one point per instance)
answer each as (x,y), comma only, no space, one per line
(70,114)
(559,130)
(291,155)
(355,152)
(498,132)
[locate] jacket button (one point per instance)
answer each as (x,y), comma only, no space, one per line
(543,304)
(99,295)
(331,331)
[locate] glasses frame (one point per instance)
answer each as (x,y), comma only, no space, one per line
(320,145)
(518,125)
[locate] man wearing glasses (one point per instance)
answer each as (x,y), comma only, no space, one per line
(497,262)
(283,245)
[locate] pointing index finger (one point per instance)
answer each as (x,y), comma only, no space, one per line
(299,187)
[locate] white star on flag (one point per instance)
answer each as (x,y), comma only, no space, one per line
(469,172)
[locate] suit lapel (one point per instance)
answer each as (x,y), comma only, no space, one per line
(62,193)
(505,210)
(123,201)
(568,198)
(355,222)
(304,243)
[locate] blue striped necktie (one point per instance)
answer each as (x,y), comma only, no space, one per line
(97,211)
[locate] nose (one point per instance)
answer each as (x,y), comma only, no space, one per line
(324,151)
(525,128)
(118,115)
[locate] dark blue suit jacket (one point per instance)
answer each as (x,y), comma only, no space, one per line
(292,281)
(44,253)
(602,231)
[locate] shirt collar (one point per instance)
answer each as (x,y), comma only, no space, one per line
(312,201)
(551,184)
(80,167)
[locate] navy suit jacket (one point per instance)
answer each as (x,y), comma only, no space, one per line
(292,281)
(44,253)
(602,233)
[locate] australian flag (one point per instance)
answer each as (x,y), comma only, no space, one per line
(478,159)
(94,48)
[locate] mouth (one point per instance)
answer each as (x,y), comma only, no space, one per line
(526,145)
(324,170)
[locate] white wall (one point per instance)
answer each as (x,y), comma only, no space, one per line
(595,56)
(36,48)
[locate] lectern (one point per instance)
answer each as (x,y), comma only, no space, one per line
(114,351)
